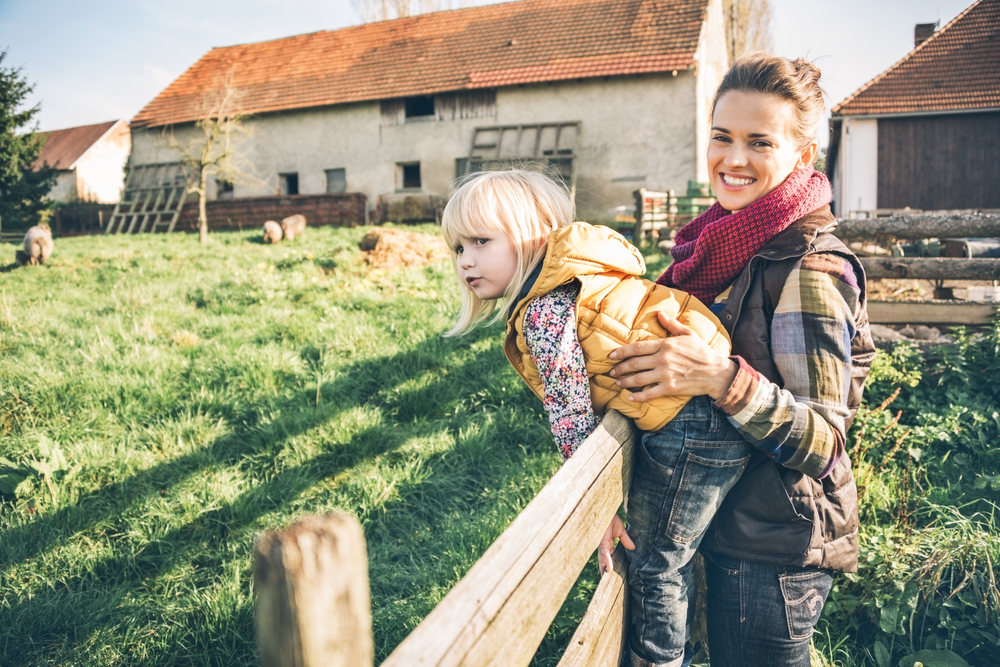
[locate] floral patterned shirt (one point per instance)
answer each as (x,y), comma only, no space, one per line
(550,332)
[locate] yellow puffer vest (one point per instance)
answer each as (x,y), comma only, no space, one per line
(615,307)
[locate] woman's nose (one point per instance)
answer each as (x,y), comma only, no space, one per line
(736,157)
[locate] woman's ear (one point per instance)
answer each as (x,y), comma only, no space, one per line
(808,155)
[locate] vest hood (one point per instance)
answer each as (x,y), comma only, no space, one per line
(582,249)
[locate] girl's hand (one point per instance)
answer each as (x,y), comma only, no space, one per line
(607,545)
(683,365)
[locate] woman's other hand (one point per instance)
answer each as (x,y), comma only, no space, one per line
(683,365)
(616,530)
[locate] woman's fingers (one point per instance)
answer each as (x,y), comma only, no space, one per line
(639,349)
(673,326)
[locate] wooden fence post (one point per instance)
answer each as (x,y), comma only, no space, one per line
(313,605)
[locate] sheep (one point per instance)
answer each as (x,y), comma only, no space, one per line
(293,226)
(272,232)
(38,246)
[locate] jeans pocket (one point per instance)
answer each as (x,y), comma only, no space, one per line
(703,485)
(662,449)
(805,594)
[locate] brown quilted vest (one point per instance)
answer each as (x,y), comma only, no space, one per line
(775,514)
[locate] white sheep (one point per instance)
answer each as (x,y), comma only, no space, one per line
(293,226)
(272,232)
(37,246)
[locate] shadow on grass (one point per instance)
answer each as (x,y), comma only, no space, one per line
(81,604)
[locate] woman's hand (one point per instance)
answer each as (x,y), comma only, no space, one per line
(683,365)
(607,545)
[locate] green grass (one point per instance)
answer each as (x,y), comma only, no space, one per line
(203,395)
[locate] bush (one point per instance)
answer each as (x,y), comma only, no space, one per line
(926,469)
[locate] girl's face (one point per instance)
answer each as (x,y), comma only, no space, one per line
(751,150)
(486,264)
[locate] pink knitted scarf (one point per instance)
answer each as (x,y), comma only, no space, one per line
(712,249)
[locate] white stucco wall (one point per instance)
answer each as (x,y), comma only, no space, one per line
(856,180)
(712,59)
(637,131)
(100,171)
(65,186)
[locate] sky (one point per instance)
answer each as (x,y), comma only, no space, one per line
(94,61)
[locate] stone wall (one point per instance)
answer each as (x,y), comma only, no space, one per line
(339,210)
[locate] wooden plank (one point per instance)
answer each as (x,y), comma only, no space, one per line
(920,226)
(602,636)
(930,312)
(932,268)
(313,607)
(499,612)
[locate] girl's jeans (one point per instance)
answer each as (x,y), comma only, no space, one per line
(682,473)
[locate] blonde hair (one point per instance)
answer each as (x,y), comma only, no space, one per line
(525,206)
(796,81)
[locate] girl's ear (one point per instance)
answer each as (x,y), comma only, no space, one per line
(808,155)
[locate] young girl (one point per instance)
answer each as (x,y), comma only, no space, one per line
(572,293)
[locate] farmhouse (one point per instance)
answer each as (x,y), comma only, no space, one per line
(926,132)
(89,161)
(613,94)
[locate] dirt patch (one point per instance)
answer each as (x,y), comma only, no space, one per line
(389,249)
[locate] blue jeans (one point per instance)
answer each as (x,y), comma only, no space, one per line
(762,614)
(682,473)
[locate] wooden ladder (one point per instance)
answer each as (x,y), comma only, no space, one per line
(152,199)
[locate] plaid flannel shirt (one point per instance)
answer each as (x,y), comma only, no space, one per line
(802,424)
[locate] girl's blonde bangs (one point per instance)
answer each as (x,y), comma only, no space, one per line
(522,205)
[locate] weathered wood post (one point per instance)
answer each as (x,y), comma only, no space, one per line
(313,605)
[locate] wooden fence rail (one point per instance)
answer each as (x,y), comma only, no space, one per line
(931,268)
(496,615)
(913,227)
(921,226)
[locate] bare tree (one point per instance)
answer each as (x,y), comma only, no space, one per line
(748,26)
(217,150)
(370,11)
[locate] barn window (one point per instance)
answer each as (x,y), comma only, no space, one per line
(419,107)
(223,189)
(288,184)
(408,175)
(336,180)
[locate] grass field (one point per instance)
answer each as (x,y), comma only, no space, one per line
(187,398)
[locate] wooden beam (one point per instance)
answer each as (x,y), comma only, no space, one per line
(920,226)
(313,607)
(937,268)
(499,612)
(602,636)
(930,312)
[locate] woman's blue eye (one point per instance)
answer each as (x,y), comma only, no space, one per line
(458,250)
(482,241)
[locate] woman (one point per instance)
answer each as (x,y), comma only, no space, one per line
(793,298)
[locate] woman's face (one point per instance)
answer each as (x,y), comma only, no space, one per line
(751,150)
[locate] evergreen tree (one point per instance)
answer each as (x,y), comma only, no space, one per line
(22,189)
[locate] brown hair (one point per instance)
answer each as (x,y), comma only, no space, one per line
(794,80)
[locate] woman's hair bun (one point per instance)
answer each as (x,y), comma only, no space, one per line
(794,80)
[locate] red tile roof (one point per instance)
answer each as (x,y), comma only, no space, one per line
(958,68)
(480,47)
(64,147)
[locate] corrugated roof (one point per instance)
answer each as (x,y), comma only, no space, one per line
(958,68)
(480,47)
(64,147)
